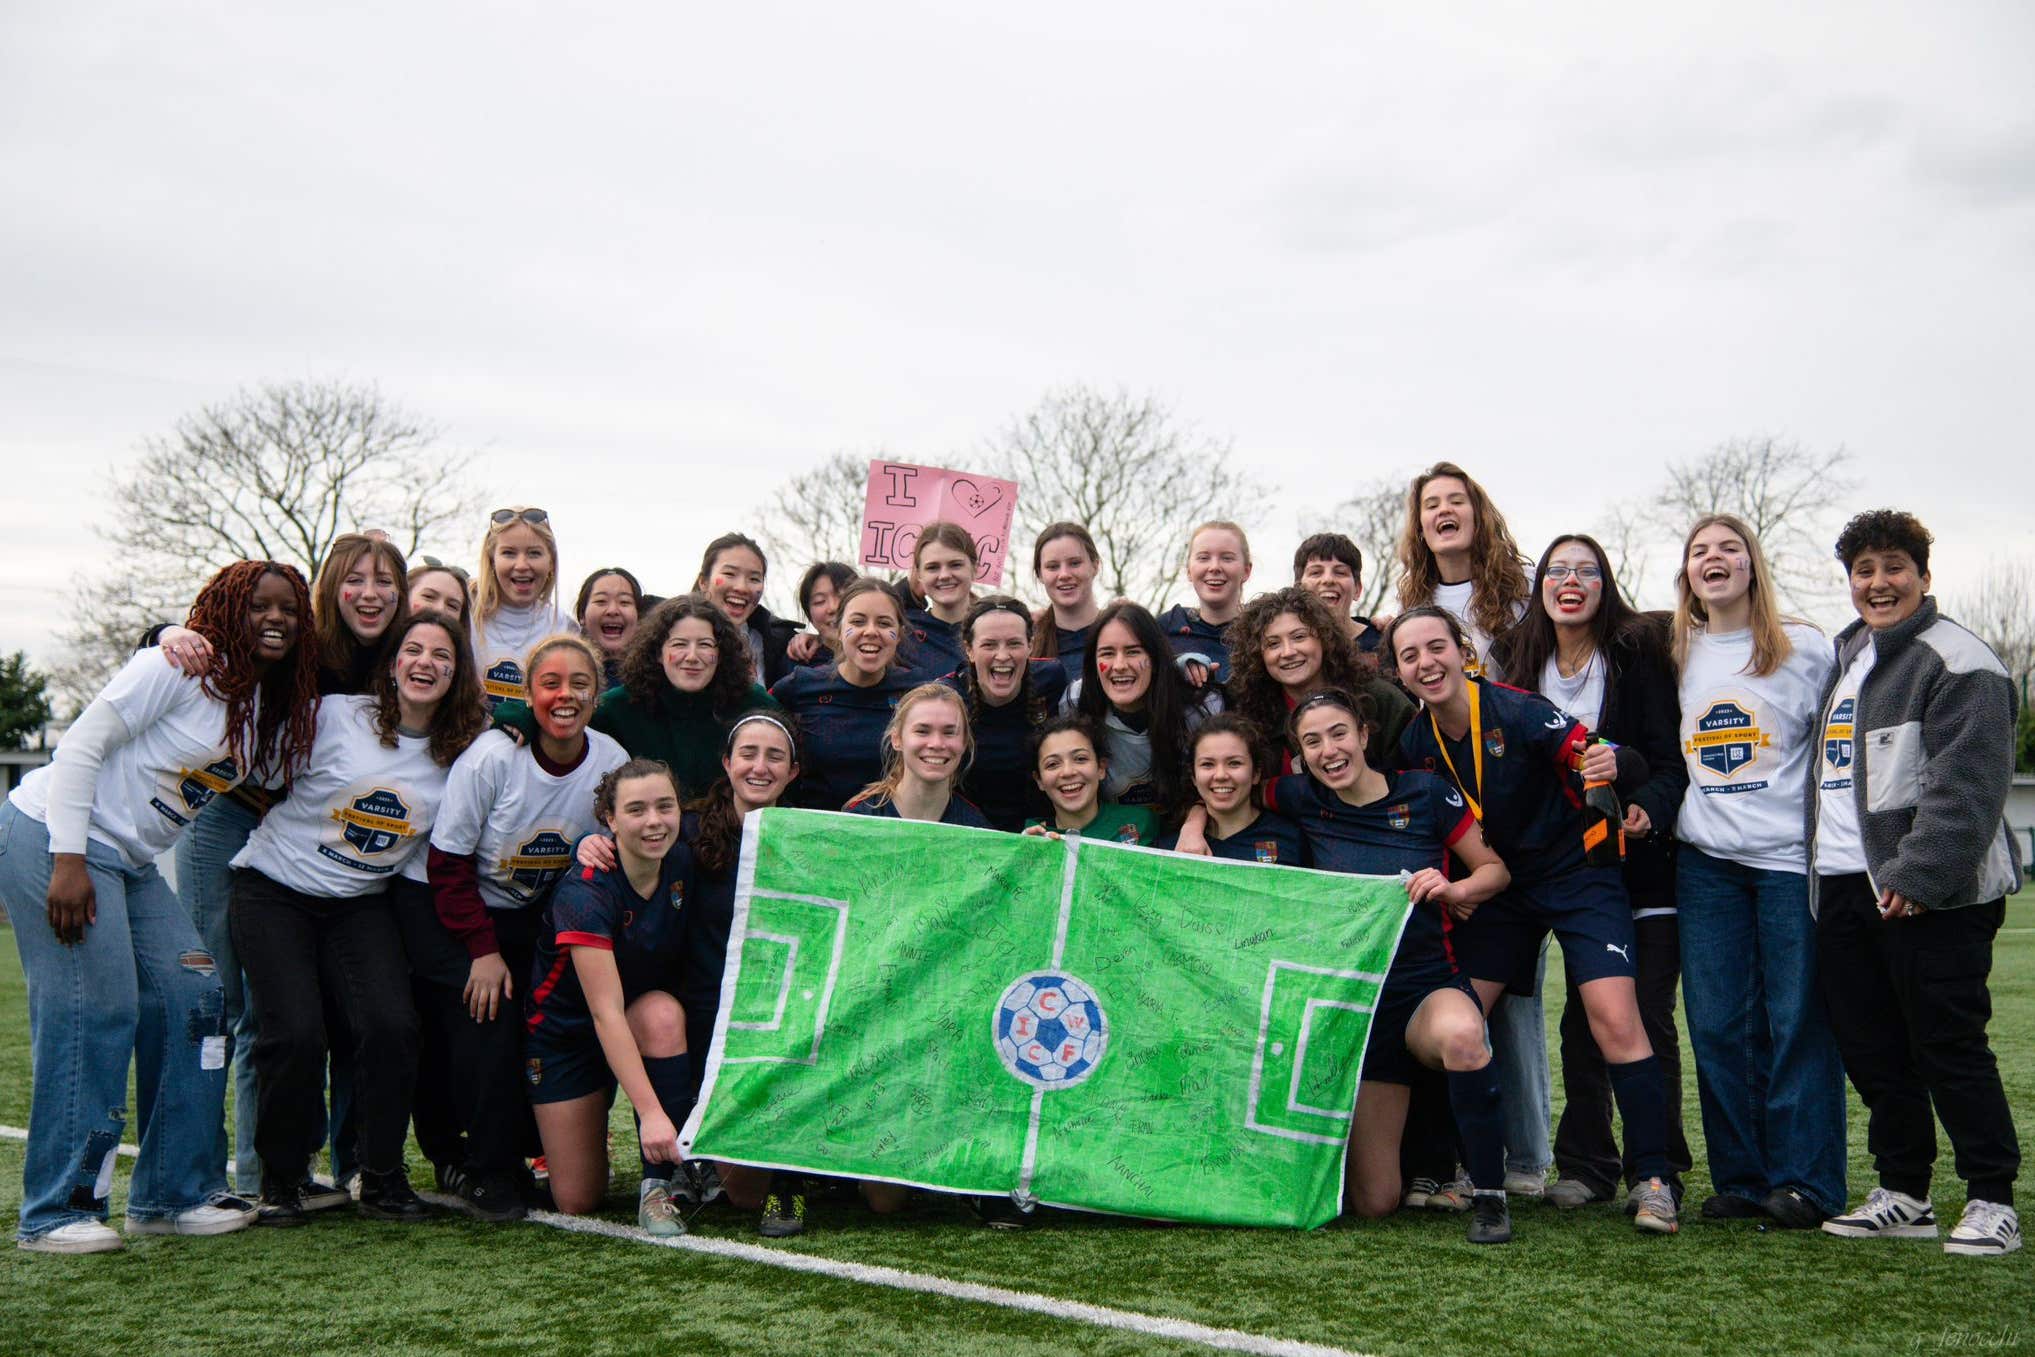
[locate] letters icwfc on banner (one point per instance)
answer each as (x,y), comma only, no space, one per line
(903,498)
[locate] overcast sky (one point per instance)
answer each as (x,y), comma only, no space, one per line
(651,260)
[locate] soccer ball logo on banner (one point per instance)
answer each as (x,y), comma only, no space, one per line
(1049,1029)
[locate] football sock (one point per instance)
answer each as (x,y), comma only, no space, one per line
(671,1080)
(1643,1104)
(1473,1095)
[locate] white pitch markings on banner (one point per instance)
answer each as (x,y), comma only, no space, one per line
(1073,842)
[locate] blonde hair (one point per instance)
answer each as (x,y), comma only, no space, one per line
(487,590)
(941,533)
(1770,644)
(1497,570)
(885,787)
(1221,525)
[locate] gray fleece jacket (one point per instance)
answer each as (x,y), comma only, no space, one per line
(1933,759)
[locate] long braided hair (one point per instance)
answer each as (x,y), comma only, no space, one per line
(278,737)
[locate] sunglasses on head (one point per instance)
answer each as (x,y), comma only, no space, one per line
(504,516)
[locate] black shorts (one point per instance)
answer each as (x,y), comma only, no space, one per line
(561,1066)
(1386,1059)
(1586,909)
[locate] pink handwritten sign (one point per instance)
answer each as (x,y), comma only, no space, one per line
(903,498)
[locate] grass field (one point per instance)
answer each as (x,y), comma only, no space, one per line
(1582,1282)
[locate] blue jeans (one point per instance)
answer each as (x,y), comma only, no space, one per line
(1525,1087)
(140,986)
(1767,1069)
(203,880)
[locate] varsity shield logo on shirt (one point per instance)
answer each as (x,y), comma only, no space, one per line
(504,679)
(541,860)
(1399,816)
(1727,738)
(200,786)
(1494,742)
(1837,735)
(375,822)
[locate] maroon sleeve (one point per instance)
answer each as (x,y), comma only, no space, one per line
(455,890)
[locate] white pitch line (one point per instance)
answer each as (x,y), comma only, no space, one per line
(897,1279)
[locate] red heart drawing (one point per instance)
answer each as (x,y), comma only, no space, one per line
(976,499)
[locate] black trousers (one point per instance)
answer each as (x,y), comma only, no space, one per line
(1909,1006)
(1585,1148)
(301,952)
(481,1094)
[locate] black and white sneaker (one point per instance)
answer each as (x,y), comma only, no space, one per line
(1490,1219)
(1987,1230)
(1791,1209)
(1887,1214)
(389,1196)
(494,1197)
(319,1196)
(282,1203)
(1417,1193)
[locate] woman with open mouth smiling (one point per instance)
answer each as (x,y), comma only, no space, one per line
(609,607)
(109,951)
(1009,695)
(1218,564)
(1229,759)
(504,835)
(1132,691)
(1069,767)
(1064,562)
(1285,645)
(685,677)
(1513,757)
(514,598)
(1751,685)
(944,565)
(731,576)
(313,923)
(1583,648)
(844,710)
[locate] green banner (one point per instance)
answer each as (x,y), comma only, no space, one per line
(1079,1022)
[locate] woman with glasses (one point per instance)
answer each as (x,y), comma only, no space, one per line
(515,599)
(1583,647)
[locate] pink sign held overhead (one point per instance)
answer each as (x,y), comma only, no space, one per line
(903,498)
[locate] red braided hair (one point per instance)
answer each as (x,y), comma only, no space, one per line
(287,690)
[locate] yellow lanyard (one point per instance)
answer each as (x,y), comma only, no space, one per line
(1473,796)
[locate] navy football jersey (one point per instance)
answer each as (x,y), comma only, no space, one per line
(930,647)
(1188,634)
(1074,643)
(842,730)
(999,779)
(592,908)
(1531,799)
(960,811)
(1272,839)
(1409,828)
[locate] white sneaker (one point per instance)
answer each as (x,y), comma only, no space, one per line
(319,1196)
(1988,1230)
(222,1215)
(80,1236)
(1887,1214)
(1532,1186)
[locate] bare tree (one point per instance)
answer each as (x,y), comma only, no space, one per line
(1630,536)
(1371,518)
(1124,467)
(275,473)
(1784,491)
(2000,609)
(817,515)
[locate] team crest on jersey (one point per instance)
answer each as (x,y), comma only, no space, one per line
(1494,742)
(1399,816)
(1126,833)
(1837,735)
(1727,738)
(541,860)
(677,896)
(534,1067)
(504,678)
(1267,850)
(374,822)
(195,788)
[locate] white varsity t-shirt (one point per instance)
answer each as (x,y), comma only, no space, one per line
(150,787)
(518,822)
(1839,850)
(1747,742)
(1581,695)
(501,643)
(1454,599)
(357,816)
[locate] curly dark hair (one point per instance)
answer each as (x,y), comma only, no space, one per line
(280,736)
(643,660)
(718,840)
(1254,693)
(1885,530)
(462,712)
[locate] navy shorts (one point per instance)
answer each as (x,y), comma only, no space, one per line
(1586,909)
(1386,1059)
(562,1066)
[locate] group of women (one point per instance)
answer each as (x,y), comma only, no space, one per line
(449,855)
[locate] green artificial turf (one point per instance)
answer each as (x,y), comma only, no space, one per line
(1570,1283)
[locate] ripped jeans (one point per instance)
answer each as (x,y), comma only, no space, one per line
(141,985)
